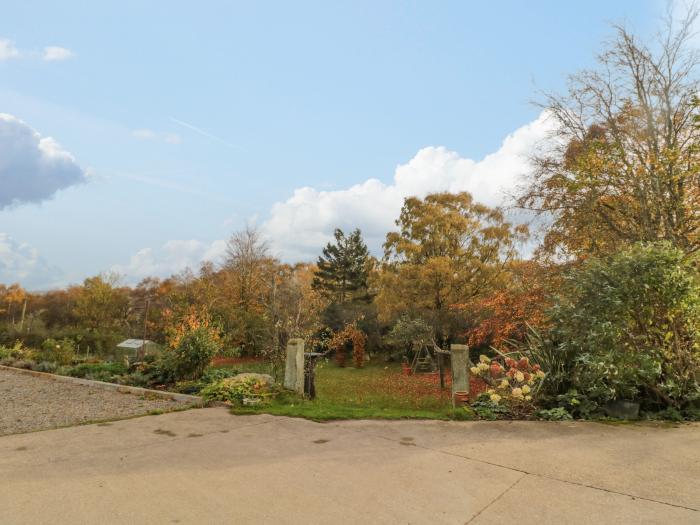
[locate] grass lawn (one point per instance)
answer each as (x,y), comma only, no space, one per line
(375,391)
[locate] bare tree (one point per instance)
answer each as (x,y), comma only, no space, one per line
(247,259)
(622,163)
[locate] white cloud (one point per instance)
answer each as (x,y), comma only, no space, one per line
(149,134)
(56,54)
(299,227)
(171,258)
(20,262)
(8,50)
(32,168)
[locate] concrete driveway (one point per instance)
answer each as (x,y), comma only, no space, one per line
(207,466)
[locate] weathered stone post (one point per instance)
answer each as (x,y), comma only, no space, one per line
(294,366)
(460,369)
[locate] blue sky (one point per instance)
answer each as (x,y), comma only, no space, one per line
(189,120)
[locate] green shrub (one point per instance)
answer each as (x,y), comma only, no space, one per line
(489,410)
(193,353)
(235,390)
(45,366)
(626,327)
(135,378)
(554,414)
(212,375)
(108,372)
(61,352)
(578,405)
(16,351)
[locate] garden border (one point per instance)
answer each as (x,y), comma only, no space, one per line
(122,389)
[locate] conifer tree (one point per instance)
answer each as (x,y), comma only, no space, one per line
(343,268)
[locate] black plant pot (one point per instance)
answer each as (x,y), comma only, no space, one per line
(622,409)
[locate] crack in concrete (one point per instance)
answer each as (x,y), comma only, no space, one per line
(543,476)
(495,499)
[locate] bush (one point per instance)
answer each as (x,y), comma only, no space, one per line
(554,414)
(193,353)
(108,372)
(16,351)
(61,352)
(516,382)
(212,375)
(235,390)
(629,327)
(489,410)
(45,366)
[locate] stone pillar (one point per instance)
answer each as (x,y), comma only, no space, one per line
(460,369)
(294,367)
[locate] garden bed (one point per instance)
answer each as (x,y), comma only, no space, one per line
(32,402)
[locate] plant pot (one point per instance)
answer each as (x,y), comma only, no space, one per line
(461,397)
(622,409)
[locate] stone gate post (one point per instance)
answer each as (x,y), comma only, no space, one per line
(294,366)
(460,369)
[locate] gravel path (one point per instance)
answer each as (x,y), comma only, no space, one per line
(30,403)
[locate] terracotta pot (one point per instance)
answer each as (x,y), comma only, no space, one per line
(461,397)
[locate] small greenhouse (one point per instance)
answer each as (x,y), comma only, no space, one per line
(135,349)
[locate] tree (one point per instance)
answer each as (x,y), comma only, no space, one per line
(101,305)
(448,250)
(622,164)
(509,312)
(250,274)
(248,263)
(343,268)
(14,297)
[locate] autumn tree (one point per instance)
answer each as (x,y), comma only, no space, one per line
(448,250)
(249,272)
(14,298)
(510,311)
(249,264)
(298,304)
(622,163)
(101,305)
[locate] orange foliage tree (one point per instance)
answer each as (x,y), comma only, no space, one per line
(506,314)
(350,333)
(194,319)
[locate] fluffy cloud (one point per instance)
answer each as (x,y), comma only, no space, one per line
(301,225)
(171,258)
(22,263)
(32,168)
(149,134)
(56,54)
(298,227)
(8,50)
